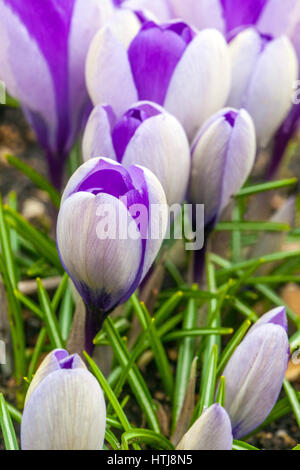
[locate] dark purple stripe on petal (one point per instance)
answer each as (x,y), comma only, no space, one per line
(230,117)
(241,12)
(48,22)
(154,53)
(126,127)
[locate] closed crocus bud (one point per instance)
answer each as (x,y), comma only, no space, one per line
(212,431)
(255,373)
(186,72)
(42,61)
(64,407)
(223,155)
(263,79)
(147,135)
(110,228)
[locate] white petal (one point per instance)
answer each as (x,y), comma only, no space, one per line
(160,144)
(159,8)
(212,431)
(201,81)
(102,260)
(279,17)
(222,159)
(97,140)
(108,74)
(65,412)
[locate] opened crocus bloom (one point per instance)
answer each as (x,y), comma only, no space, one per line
(64,407)
(255,372)
(42,60)
(223,155)
(212,431)
(110,228)
(171,64)
(145,134)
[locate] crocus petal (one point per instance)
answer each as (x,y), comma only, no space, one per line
(242,12)
(254,377)
(98,260)
(223,154)
(160,144)
(108,73)
(204,69)
(277,316)
(97,135)
(278,17)
(212,431)
(260,82)
(65,412)
(154,54)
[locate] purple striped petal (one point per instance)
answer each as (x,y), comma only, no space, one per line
(212,431)
(154,55)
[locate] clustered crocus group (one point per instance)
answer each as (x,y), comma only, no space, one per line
(173,99)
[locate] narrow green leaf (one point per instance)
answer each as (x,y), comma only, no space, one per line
(145,436)
(252,226)
(36,178)
(50,319)
(260,188)
(293,399)
(232,345)
(8,431)
(220,398)
(241,445)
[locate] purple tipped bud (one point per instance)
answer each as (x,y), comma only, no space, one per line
(146,135)
(64,408)
(255,373)
(212,431)
(223,154)
(110,228)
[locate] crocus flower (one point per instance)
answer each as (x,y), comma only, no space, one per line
(186,72)
(212,431)
(255,372)
(145,134)
(270,16)
(42,60)
(110,228)
(223,154)
(64,407)
(263,79)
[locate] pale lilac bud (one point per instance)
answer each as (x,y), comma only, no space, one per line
(64,408)
(255,373)
(212,431)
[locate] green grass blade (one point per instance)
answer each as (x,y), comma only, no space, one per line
(7,428)
(293,399)
(145,436)
(232,345)
(50,319)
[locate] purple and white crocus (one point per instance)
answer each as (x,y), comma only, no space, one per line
(264,72)
(212,431)
(110,227)
(255,372)
(223,155)
(185,71)
(147,135)
(64,407)
(42,61)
